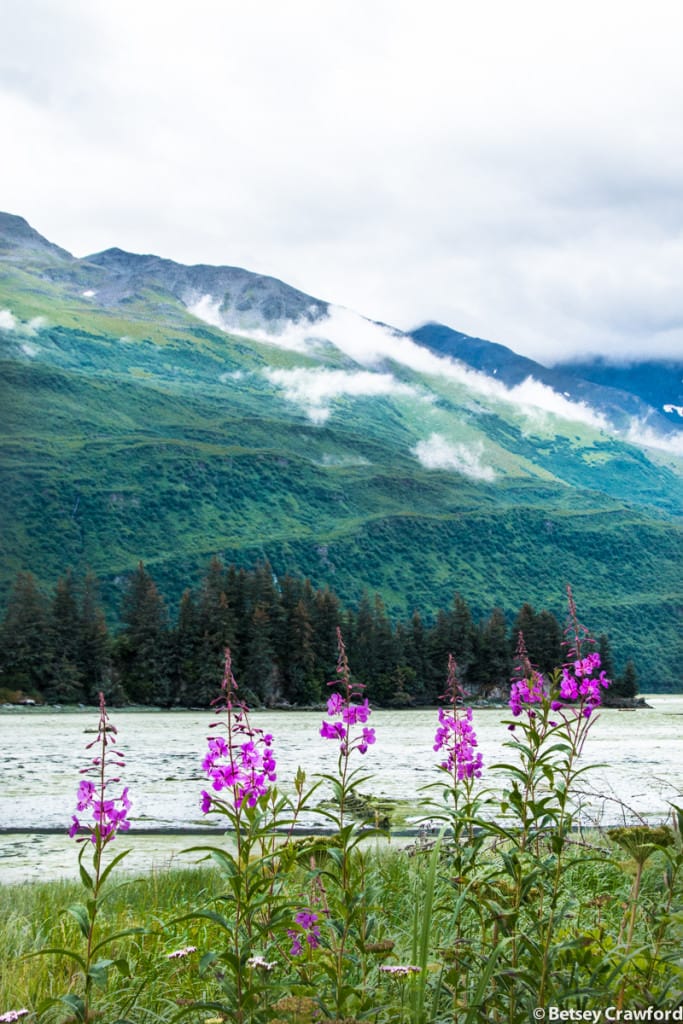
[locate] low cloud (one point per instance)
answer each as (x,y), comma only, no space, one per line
(532,397)
(373,345)
(26,328)
(315,390)
(35,325)
(291,336)
(438,453)
(643,435)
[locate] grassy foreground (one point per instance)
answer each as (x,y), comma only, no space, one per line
(414,914)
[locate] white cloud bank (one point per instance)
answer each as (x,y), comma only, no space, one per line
(438,453)
(9,322)
(641,434)
(373,345)
(370,344)
(315,390)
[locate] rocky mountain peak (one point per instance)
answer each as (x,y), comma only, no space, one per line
(17,236)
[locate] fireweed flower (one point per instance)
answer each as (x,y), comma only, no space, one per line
(345,706)
(581,682)
(243,762)
(455,735)
(308,932)
(528,686)
(109,813)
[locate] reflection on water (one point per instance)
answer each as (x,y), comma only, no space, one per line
(641,770)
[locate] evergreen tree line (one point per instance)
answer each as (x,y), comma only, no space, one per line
(282,634)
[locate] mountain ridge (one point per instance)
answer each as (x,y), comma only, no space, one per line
(263,301)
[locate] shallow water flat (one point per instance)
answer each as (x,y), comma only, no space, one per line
(639,753)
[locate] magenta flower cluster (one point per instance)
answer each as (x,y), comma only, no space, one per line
(109,814)
(528,686)
(308,931)
(456,736)
(342,707)
(580,682)
(524,692)
(247,768)
(244,762)
(349,714)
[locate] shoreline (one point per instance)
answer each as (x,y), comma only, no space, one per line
(621,704)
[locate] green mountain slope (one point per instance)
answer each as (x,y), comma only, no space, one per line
(137,424)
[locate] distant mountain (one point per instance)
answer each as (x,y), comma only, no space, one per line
(648,391)
(155,411)
(18,238)
(658,383)
(233,297)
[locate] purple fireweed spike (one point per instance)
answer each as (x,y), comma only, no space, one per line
(108,813)
(346,706)
(455,735)
(242,761)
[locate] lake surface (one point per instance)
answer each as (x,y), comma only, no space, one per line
(42,752)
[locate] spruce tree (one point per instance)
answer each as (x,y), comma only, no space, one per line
(492,669)
(94,647)
(260,676)
(300,682)
(325,617)
(26,652)
(413,642)
(143,647)
(547,639)
(66,685)
(217,631)
(628,682)
(187,653)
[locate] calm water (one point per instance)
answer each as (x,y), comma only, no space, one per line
(42,753)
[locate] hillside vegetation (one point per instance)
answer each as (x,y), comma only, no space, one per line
(134,430)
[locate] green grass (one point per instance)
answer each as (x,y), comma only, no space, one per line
(33,916)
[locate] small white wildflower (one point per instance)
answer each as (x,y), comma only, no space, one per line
(400,970)
(259,961)
(178,953)
(13,1015)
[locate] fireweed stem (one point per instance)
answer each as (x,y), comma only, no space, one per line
(348,726)
(107,820)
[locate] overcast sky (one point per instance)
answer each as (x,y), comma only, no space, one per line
(512,168)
